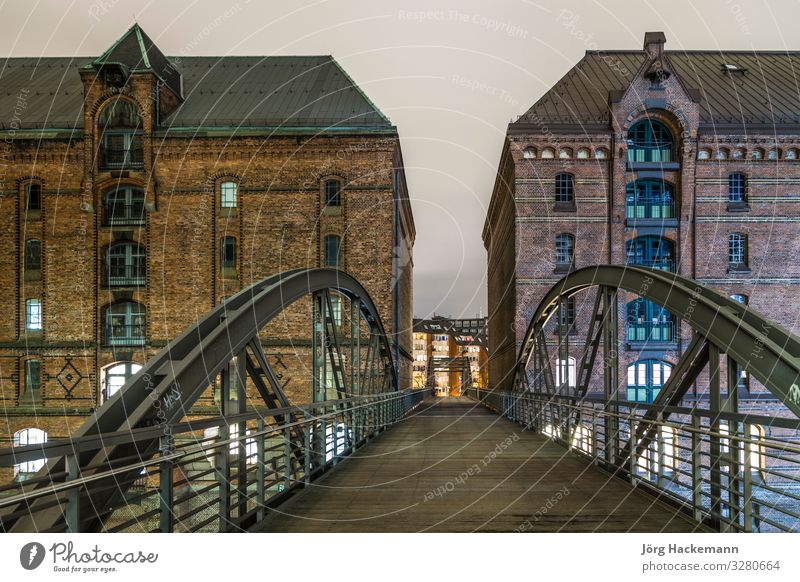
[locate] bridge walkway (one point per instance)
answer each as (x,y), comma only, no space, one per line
(454,466)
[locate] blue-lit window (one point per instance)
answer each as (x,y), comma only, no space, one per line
(33,315)
(649,322)
(651,251)
(646,378)
(737,188)
(649,141)
(649,198)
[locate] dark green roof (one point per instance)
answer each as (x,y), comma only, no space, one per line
(766,93)
(289,92)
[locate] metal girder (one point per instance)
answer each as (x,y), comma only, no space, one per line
(767,351)
(164,390)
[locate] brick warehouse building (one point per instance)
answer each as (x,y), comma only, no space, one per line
(683,161)
(140,190)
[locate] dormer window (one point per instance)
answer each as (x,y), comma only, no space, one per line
(121,135)
(529,153)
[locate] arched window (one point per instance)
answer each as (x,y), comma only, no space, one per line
(228,194)
(565,251)
(757,154)
(121,143)
(646,378)
(529,153)
(723,154)
(548,153)
(704,154)
(332,244)
(114,376)
(649,141)
(737,251)
(773,154)
(649,199)
(125,324)
(651,251)
(126,264)
(649,322)
(565,189)
(601,153)
(739,154)
(584,154)
(23,438)
(565,153)
(740,298)
(33,255)
(737,188)
(332,193)
(792,154)
(124,206)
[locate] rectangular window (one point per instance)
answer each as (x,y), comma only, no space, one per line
(737,250)
(228,193)
(32,377)
(564,249)
(33,197)
(736,188)
(33,255)
(332,193)
(565,193)
(567,312)
(332,249)
(227,252)
(33,315)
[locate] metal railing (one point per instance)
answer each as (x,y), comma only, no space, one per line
(649,208)
(649,154)
(660,264)
(215,474)
(117,214)
(125,335)
(126,275)
(648,331)
(732,472)
(123,157)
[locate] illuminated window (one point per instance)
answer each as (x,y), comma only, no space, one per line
(113,378)
(228,194)
(529,153)
(23,438)
(548,153)
(33,315)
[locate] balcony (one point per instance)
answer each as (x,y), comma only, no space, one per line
(647,154)
(125,335)
(125,214)
(121,150)
(126,276)
(651,332)
(660,264)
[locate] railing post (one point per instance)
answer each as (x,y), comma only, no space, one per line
(72,514)
(747,483)
(165,489)
(261,495)
(661,452)
(634,430)
(335,429)
(595,442)
(354,425)
(288,472)
(307,449)
(697,478)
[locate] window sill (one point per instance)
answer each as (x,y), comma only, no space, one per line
(744,270)
(633,166)
(738,207)
(227,211)
(563,269)
(659,345)
(332,210)
(651,222)
(564,207)
(33,275)
(228,273)
(30,399)
(33,214)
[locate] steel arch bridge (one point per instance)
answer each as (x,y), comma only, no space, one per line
(629,438)
(355,394)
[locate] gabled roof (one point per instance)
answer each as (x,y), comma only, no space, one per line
(766,93)
(287,92)
(136,51)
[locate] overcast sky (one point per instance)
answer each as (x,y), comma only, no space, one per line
(449,74)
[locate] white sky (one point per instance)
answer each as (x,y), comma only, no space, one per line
(449,74)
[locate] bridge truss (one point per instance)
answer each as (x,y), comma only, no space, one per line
(732,470)
(146,462)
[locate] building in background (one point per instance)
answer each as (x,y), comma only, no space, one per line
(445,350)
(140,190)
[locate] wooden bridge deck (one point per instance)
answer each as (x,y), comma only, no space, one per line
(446,469)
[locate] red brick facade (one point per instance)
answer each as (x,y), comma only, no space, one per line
(279,222)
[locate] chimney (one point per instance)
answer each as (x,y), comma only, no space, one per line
(654,43)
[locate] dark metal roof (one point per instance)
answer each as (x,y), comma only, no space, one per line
(766,92)
(470,331)
(289,92)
